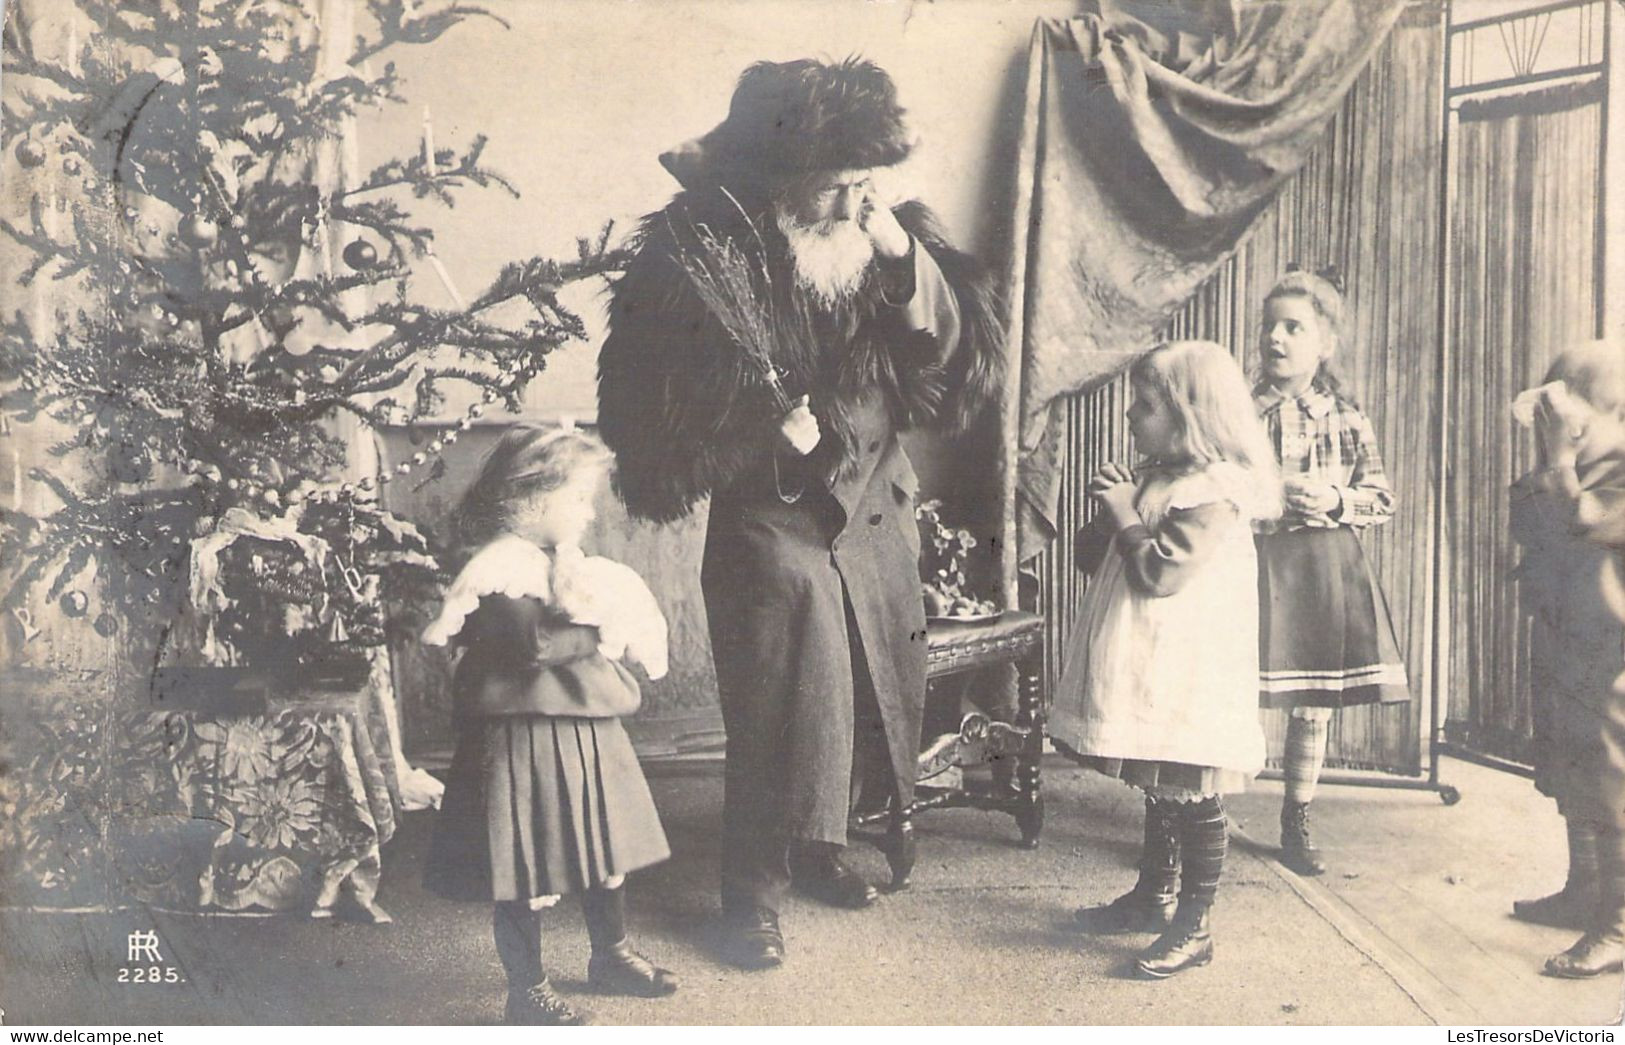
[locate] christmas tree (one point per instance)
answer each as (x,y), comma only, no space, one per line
(225,301)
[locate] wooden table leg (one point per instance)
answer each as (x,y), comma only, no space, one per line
(900,847)
(1029,811)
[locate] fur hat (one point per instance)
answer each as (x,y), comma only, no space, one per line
(793,118)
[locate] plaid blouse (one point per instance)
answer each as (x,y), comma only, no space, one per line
(1322,436)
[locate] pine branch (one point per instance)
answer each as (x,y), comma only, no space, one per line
(396,28)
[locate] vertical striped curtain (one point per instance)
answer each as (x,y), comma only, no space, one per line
(1523,284)
(1366,200)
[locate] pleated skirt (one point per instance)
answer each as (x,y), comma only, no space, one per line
(1325,638)
(538,805)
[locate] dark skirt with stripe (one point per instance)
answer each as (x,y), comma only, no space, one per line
(1325,638)
(538,805)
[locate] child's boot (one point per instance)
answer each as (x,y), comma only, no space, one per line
(1306,733)
(1298,852)
(615,968)
(1149,906)
(1572,906)
(517,930)
(1188,942)
(538,1006)
(1602,949)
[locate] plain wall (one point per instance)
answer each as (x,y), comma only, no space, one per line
(579,99)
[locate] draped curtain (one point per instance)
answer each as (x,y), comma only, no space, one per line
(1365,199)
(1523,284)
(1154,136)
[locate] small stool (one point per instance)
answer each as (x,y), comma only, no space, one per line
(954,648)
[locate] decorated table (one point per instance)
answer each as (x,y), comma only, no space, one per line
(217,794)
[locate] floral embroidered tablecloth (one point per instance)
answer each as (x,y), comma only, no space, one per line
(107,806)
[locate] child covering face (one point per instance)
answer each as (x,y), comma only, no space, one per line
(1568,517)
(545,795)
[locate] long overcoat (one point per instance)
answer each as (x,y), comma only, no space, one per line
(810,570)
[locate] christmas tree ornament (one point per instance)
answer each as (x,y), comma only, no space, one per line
(198,232)
(360,255)
(30,153)
(210,220)
(130,463)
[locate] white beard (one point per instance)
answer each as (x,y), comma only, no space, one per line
(831,257)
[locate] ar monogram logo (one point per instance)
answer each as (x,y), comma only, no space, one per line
(144,946)
(143,963)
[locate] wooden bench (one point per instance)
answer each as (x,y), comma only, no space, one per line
(954,649)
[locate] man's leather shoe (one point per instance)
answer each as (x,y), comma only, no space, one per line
(1592,955)
(753,939)
(823,877)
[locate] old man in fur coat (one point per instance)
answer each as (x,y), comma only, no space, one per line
(811,557)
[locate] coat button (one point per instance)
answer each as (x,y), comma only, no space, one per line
(876,519)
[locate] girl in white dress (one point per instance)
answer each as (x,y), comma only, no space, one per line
(1160,686)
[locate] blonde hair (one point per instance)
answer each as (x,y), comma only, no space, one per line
(1594,371)
(1209,395)
(528,461)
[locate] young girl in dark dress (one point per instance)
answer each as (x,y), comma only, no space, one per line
(545,795)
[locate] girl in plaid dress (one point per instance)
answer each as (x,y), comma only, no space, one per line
(1325,637)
